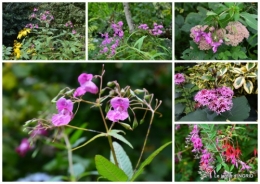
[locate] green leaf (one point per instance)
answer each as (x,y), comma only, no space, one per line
(229,4)
(198,115)
(250,20)
(109,170)
(223,70)
(179,108)
(218,167)
(250,66)
(78,169)
(148,161)
(232,167)
(139,42)
(92,139)
(77,134)
(211,13)
(248,86)
(239,82)
(114,133)
(251,75)
(123,160)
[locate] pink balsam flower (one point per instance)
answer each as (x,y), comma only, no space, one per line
(86,85)
(119,111)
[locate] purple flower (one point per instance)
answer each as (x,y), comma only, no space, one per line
(43,17)
(244,166)
(23,148)
(39,130)
(215,45)
(179,78)
(86,85)
(143,26)
(35,9)
(62,103)
(74,31)
(33,15)
(119,111)
(36,26)
(63,118)
(207,37)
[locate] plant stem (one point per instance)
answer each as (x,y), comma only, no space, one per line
(146,137)
(68,145)
(83,129)
(109,138)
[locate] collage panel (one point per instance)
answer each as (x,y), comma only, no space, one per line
(216,30)
(130,31)
(77,121)
(216,152)
(44,31)
(216,91)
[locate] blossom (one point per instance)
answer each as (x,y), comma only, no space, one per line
(179,78)
(86,85)
(24,147)
(244,166)
(143,26)
(17,51)
(38,130)
(74,31)
(65,114)
(119,111)
(215,45)
(62,118)
(23,32)
(35,9)
(236,33)
(206,162)
(156,29)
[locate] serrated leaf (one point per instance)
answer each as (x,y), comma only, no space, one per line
(109,170)
(239,82)
(148,161)
(114,133)
(250,66)
(123,160)
(248,86)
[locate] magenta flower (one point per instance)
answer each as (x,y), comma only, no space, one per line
(63,118)
(215,45)
(86,85)
(39,130)
(23,148)
(35,9)
(62,103)
(244,166)
(143,26)
(74,31)
(179,78)
(119,111)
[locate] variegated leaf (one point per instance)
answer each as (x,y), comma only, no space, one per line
(248,86)
(239,82)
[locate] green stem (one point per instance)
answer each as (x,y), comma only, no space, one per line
(89,130)
(146,137)
(109,137)
(68,145)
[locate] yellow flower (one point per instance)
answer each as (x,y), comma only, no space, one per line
(17,51)
(23,32)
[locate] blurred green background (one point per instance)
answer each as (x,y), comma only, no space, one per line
(28,89)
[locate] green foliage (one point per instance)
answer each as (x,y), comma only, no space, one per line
(139,45)
(217,15)
(108,170)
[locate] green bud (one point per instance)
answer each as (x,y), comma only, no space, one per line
(147,97)
(122,92)
(110,84)
(139,91)
(69,92)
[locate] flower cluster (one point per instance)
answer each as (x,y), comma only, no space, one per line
(31,26)
(112,42)
(179,78)
(195,139)
(23,32)
(236,33)
(157,29)
(218,100)
(65,113)
(206,164)
(86,85)
(70,24)
(17,51)
(45,17)
(206,40)
(119,111)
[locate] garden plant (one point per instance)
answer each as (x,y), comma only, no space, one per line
(216,92)
(216,31)
(46,33)
(216,152)
(129,31)
(120,108)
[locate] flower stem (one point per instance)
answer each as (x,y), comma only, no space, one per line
(68,145)
(109,138)
(89,130)
(146,137)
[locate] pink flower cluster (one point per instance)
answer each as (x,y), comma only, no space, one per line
(112,42)
(204,39)
(70,24)
(86,85)
(118,109)
(65,113)
(236,33)
(157,29)
(46,16)
(31,26)
(218,100)
(207,163)
(179,78)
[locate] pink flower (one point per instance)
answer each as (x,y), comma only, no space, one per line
(74,31)
(119,111)
(23,148)
(62,103)
(179,78)
(63,118)
(143,26)
(86,85)
(39,130)
(35,9)
(215,45)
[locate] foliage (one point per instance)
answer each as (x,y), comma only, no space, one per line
(27,91)
(139,45)
(214,139)
(52,39)
(216,15)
